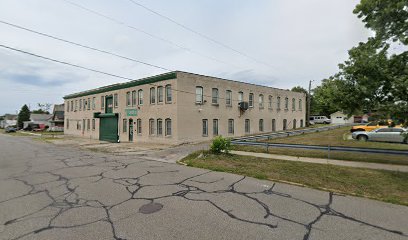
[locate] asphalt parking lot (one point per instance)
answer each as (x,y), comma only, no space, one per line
(59,192)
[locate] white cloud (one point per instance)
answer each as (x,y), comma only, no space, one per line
(300,40)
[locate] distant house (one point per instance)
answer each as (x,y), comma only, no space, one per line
(341,118)
(57,120)
(8,120)
(44,120)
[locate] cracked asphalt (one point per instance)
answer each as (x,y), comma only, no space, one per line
(56,192)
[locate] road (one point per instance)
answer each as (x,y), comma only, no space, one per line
(55,192)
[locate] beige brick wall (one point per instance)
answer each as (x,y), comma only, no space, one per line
(186,115)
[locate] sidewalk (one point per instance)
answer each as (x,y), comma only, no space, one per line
(380,166)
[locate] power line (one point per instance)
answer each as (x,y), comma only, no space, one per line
(84,46)
(199,33)
(146,33)
(96,71)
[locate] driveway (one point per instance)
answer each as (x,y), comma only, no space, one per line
(57,192)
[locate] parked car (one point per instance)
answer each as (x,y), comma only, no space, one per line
(10,129)
(382,135)
(320,119)
(370,126)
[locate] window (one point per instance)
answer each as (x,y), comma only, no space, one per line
(139,126)
(134,99)
(102,102)
(240,97)
(76,105)
(93,103)
(301,123)
(273,125)
(151,126)
(215,127)
(124,125)
(228,98)
(160,94)
(294,124)
(140,96)
(128,100)
(230,126)
(247,126)
(270,102)
(152,95)
(214,99)
(72,105)
(78,125)
(115,100)
(285,124)
(88,124)
(85,104)
(168,127)
(286,103)
(293,104)
(261,101)
(205,127)
(168,94)
(159,127)
(251,100)
(300,105)
(67,106)
(261,125)
(199,95)
(93,124)
(278,103)
(67,123)
(89,103)
(80,105)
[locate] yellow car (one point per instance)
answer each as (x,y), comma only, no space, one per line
(368,127)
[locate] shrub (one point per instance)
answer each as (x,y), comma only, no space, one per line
(220,144)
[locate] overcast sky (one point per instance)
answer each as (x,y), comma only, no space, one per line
(289,42)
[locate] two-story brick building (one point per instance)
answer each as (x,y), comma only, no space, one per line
(179,107)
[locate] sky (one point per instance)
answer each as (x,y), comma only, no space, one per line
(278,43)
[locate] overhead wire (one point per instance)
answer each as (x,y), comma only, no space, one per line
(98,71)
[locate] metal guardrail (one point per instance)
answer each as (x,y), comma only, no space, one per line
(289,133)
(325,148)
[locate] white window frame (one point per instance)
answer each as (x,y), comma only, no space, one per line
(167,124)
(240,96)
(128,99)
(152,95)
(228,98)
(169,96)
(261,101)
(251,100)
(134,98)
(199,97)
(140,96)
(160,96)
(247,126)
(139,126)
(152,129)
(159,127)
(205,127)
(215,127)
(261,125)
(214,96)
(231,126)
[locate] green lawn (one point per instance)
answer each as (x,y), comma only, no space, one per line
(382,185)
(336,137)
(347,156)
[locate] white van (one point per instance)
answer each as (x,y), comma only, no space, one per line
(320,119)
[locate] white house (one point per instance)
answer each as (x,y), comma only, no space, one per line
(8,120)
(341,118)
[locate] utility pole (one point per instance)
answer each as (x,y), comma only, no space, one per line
(308,104)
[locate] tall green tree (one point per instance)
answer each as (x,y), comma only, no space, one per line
(23,115)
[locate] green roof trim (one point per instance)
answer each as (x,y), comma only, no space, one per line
(158,78)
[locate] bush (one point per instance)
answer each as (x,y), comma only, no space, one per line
(220,144)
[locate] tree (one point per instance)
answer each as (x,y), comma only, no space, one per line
(299,89)
(325,98)
(23,115)
(388,18)
(43,108)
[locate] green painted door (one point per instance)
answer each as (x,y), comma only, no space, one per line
(108,129)
(109,104)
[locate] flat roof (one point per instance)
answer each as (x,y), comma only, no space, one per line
(147,80)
